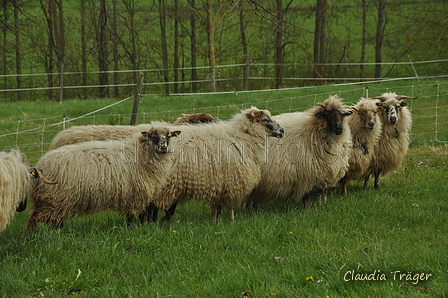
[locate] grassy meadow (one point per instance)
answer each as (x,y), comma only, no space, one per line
(395,236)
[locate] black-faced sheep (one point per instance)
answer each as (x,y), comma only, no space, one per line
(365,128)
(393,142)
(101,175)
(313,154)
(218,163)
(15,185)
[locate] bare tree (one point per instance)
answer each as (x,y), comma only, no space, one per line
(319,37)
(176,47)
(379,37)
(244,46)
(193,49)
(103,51)
(18,48)
(83,49)
(364,38)
(162,19)
(5,28)
(114,36)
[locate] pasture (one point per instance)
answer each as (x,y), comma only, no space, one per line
(395,237)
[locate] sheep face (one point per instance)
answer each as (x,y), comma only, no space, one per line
(334,118)
(367,113)
(263,117)
(160,138)
(391,109)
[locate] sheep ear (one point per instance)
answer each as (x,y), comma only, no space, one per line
(175,133)
(403,104)
(346,113)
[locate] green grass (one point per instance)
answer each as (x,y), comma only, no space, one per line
(269,252)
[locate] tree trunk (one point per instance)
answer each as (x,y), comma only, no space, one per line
(115,49)
(319,37)
(60,45)
(279,46)
(18,47)
(176,46)
(379,38)
(162,18)
(5,44)
(194,71)
(364,38)
(211,42)
(83,50)
(244,46)
(103,51)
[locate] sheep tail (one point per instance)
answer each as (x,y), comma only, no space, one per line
(36,173)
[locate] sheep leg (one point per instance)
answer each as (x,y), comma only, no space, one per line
(323,194)
(215,211)
(344,185)
(232,213)
(376,184)
(31,224)
(130,218)
(149,214)
(366,182)
(306,200)
(170,212)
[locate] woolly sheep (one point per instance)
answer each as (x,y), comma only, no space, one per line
(198,118)
(15,185)
(86,133)
(313,153)
(365,128)
(393,143)
(218,163)
(101,175)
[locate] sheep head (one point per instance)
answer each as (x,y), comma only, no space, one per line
(367,111)
(333,112)
(160,137)
(392,103)
(264,117)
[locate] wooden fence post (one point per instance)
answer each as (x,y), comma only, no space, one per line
(138,92)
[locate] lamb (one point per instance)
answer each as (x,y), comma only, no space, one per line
(15,185)
(218,163)
(86,133)
(365,128)
(313,154)
(393,143)
(101,175)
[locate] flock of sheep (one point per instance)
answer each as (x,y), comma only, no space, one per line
(248,160)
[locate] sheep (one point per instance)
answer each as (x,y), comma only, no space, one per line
(218,163)
(365,128)
(101,175)
(86,133)
(15,185)
(198,118)
(393,143)
(313,153)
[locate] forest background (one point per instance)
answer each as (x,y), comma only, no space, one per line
(56,49)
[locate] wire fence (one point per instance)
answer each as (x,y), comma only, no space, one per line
(430,111)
